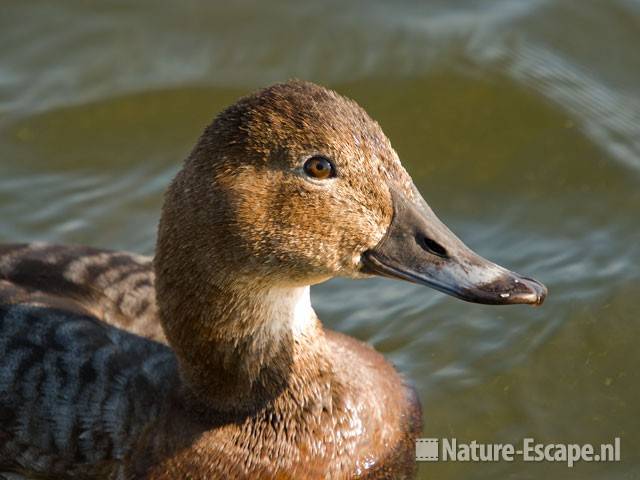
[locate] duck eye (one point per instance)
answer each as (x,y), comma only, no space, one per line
(319,167)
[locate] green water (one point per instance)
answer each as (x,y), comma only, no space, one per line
(518,120)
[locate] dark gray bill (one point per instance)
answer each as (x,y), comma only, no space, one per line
(419,248)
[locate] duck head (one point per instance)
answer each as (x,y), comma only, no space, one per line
(296,184)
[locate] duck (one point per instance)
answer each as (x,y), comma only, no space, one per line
(208,361)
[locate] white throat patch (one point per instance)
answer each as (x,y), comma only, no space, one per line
(290,310)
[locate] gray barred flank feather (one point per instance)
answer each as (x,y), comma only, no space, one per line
(71,379)
(69,388)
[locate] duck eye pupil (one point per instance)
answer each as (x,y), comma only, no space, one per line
(319,167)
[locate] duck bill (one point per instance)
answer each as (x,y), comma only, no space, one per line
(419,248)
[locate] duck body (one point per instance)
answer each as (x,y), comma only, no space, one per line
(84,397)
(209,362)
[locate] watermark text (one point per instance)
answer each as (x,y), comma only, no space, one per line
(452,450)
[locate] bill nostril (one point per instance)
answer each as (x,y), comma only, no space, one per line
(431,246)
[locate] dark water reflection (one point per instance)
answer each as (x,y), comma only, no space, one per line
(519,121)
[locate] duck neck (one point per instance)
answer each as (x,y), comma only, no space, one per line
(240,347)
